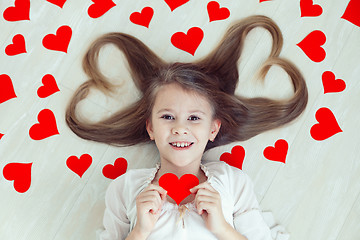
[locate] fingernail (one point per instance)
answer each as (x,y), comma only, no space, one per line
(191,190)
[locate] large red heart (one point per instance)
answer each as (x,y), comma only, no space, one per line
(60,41)
(100,7)
(17,47)
(331,84)
(49,87)
(116,170)
(217,13)
(79,166)
(7,91)
(173,4)
(59,3)
(142,18)
(308,9)
(188,42)
(21,11)
(46,126)
(178,189)
(352,12)
(277,153)
(20,173)
(327,125)
(311,45)
(235,158)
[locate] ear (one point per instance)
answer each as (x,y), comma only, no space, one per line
(215,128)
(149,129)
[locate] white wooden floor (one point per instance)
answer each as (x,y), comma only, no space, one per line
(315,194)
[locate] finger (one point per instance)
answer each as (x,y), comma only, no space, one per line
(204,185)
(148,197)
(160,190)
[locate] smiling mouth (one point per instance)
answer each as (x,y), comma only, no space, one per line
(181,145)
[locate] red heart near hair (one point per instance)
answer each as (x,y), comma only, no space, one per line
(188,42)
(20,173)
(60,41)
(178,189)
(235,158)
(116,170)
(100,7)
(17,47)
(327,125)
(59,3)
(277,153)
(46,126)
(49,87)
(21,11)
(309,9)
(216,13)
(331,84)
(143,18)
(352,12)
(7,91)
(79,165)
(311,45)
(173,4)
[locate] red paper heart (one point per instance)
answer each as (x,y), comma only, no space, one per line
(311,45)
(49,87)
(59,3)
(100,7)
(277,153)
(79,166)
(327,125)
(178,189)
(264,0)
(352,12)
(20,173)
(173,4)
(188,42)
(1,135)
(116,170)
(17,47)
(6,88)
(46,126)
(331,84)
(21,11)
(235,158)
(309,9)
(217,13)
(142,18)
(60,41)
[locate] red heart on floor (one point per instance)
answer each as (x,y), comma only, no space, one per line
(59,3)
(46,126)
(216,13)
(188,42)
(309,9)
(173,4)
(116,170)
(277,153)
(1,135)
(142,18)
(311,45)
(178,189)
(352,12)
(21,11)
(20,173)
(327,125)
(235,158)
(79,166)
(6,88)
(49,87)
(100,7)
(331,84)
(60,41)
(264,0)
(17,47)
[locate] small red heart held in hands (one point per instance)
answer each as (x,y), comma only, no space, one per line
(309,9)
(143,18)
(60,41)
(116,170)
(311,45)
(235,158)
(46,126)
(188,42)
(79,166)
(100,7)
(21,11)
(6,88)
(277,153)
(352,12)
(20,173)
(178,189)
(173,4)
(59,3)
(327,125)
(331,84)
(216,13)
(17,47)
(50,87)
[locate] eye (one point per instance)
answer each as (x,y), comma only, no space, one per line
(194,118)
(167,117)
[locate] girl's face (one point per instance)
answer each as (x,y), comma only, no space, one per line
(181,125)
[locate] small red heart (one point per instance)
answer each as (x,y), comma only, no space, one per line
(46,126)
(331,84)
(20,173)
(17,47)
(21,11)
(79,166)
(173,4)
(59,3)
(309,9)
(188,42)
(116,170)
(235,158)
(264,0)
(1,135)
(142,18)
(6,88)
(178,189)
(327,125)
(49,87)
(217,13)
(277,153)
(352,12)
(100,7)
(60,41)
(311,45)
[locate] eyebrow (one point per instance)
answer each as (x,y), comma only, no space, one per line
(169,110)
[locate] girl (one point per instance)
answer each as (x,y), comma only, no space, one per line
(186,109)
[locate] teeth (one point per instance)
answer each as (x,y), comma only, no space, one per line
(177,144)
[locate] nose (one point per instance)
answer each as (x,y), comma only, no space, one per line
(180,130)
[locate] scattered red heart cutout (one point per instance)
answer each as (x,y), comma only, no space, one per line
(116,170)
(331,84)
(20,11)
(1,135)
(309,9)
(143,18)
(46,126)
(311,45)
(173,4)
(7,91)
(59,3)
(178,189)
(49,86)
(100,7)
(264,1)
(216,13)
(277,153)
(20,173)
(17,47)
(188,42)
(235,158)
(60,41)
(352,12)
(327,125)
(79,166)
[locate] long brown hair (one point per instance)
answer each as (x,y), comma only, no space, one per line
(215,76)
